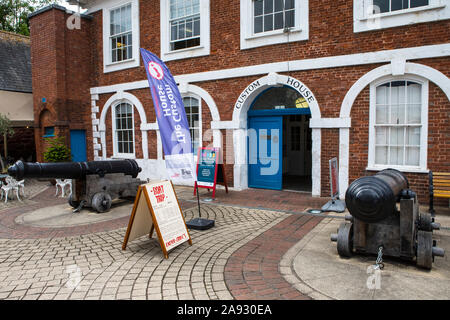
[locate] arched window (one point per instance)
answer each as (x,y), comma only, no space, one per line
(279,98)
(123,129)
(192,106)
(398,124)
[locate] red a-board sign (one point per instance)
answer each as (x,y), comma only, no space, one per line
(209,171)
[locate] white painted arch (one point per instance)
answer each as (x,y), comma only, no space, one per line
(239,124)
(133,100)
(392,69)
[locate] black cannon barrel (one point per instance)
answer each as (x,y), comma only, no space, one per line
(73,170)
(372,199)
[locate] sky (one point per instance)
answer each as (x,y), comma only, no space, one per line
(70,7)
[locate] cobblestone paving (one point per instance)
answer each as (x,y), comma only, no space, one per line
(32,188)
(93,266)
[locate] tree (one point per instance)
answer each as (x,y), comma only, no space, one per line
(14,14)
(5,130)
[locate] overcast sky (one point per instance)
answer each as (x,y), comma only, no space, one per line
(70,7)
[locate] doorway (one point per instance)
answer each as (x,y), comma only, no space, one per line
(297,153)
(78,145)
(279,141)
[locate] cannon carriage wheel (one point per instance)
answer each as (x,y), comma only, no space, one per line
(101,202)
(424,249)
(345,240)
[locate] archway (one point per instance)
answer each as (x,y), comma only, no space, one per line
(241,134)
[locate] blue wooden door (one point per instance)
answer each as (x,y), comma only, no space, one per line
(265,144)
(78,145)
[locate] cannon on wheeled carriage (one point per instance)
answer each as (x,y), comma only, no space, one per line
(94,184)
(377,221)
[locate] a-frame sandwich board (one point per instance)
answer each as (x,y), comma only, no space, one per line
(156,207)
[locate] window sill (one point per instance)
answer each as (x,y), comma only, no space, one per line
(185,53)
(402,12)
(119,62)
(121,65)
(401,169)
(272,33)
(124,156)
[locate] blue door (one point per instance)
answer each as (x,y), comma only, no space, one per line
(78,145)
(265,144)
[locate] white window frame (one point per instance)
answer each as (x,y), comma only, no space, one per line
(423,153)
(299,32)
(200,128)
(202,50)
(365,20)
(108,65)
(116,153)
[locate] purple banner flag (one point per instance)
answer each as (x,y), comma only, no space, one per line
(172,121)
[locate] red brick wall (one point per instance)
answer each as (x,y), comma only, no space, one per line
(330,33)
(438,135)
(62,74)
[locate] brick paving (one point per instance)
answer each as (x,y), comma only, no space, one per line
(253,271)
(237,259)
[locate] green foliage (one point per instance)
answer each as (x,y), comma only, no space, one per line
(14,14)
(57,150)
(5,126)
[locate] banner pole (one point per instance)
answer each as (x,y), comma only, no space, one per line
(198,200)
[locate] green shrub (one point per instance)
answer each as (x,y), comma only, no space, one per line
(57,151)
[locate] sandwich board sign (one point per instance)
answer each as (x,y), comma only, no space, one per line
(156,207)
(335,204)
(209,172)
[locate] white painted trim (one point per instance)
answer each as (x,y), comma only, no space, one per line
(200,118)
(365,20)
(108,65)
(253,89)
(203,94)
(134,101)
(423,129)
(298,33)
(239,122)
(431,74)
(330,123)
(116,154)
(384,56)
(202,50)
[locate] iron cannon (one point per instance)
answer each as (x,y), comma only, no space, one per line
(94,184)
(384,213)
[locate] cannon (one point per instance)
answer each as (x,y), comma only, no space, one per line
(94,184)
(384,213)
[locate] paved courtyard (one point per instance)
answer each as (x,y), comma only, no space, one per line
(260,248)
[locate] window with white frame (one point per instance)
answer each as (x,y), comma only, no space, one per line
(398,125)
(184,24)
(394,5)
(120,35)
(184,29)
(123,129)
(271,15)
(266,22)
(193,114)
(380,14)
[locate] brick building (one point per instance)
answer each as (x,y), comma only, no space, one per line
(365,81)
(16,98)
